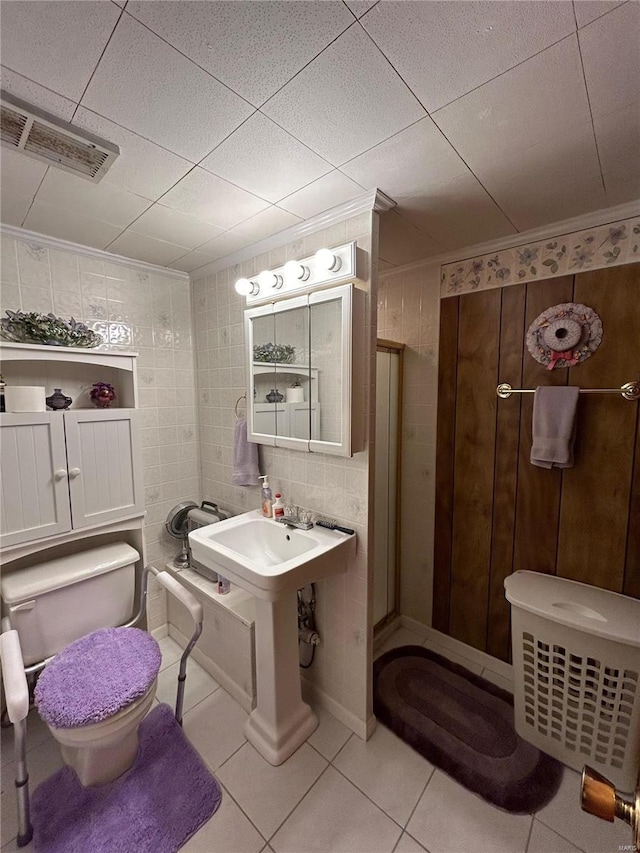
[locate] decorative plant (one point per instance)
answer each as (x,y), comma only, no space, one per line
(102,394)
(282,353)
(33,328)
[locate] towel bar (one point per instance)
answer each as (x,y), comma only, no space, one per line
(630,390)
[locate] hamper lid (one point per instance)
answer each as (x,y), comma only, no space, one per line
(64,571)
(595,611)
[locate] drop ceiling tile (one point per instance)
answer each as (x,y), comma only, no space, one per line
(589,10)
(443,50)
(144,248)
(223,245)
(548,182)
(402,243)
(254,48)
(36,95)
(326,192)
(456,214)
(164,223)
(611,55)
(622,185)
(191,262)
(618,137)
(56,44)
(414,159)
(360,7)
(20,177)
(148,87)
(264,224)
(142,167)
(213,199)
(100,201)
(266,160)
(541,98)
(345,101)
(68,225)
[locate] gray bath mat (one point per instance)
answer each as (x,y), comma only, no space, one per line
(464,725)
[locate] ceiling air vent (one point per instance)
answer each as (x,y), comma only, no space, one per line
(44,137)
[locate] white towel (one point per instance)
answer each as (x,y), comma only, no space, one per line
(554,416)
(245,457)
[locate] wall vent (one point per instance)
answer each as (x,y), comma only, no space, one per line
(50,140)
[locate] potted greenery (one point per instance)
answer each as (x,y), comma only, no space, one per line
(33,328)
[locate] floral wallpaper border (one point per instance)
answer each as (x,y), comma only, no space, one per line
(593,248)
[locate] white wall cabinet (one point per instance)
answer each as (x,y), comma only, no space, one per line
(65,474)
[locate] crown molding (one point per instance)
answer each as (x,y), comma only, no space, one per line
(372,200)
(554,229)
(67,246)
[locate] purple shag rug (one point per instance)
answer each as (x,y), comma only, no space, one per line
(153,808)
(464,725)
(96,676)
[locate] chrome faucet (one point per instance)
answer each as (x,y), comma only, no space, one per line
(290,521)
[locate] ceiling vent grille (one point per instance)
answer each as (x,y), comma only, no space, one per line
(42,136)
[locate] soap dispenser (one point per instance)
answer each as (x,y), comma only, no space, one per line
(267,497)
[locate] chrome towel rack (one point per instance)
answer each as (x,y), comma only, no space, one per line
(630,390)
(238,401)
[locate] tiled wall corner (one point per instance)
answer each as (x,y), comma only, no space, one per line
(331,485)
(137,310)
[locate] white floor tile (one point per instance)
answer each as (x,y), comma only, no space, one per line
(227,831)
(450,819)
(198,685)
(265,793)
(215,727)
(565,816)
(407,844)
(545,840)
(41,763)
(387,770)
(335,817)
(171,652)
(37,733)
(330,736)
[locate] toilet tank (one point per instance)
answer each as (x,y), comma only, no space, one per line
(56,602)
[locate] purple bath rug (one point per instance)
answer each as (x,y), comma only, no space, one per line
(464,725)
(153,808)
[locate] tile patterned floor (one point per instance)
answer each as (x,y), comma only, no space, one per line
(336,794)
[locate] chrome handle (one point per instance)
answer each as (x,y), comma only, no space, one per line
(60,474)
(74,472)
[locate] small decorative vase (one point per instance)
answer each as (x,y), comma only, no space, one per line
(58,400)
(274,396)
(102,394)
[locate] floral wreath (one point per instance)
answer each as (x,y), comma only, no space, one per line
(564,335)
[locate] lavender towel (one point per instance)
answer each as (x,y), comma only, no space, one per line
(554,414)
(245,457)
(93,678)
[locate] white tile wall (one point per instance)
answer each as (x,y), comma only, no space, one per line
(326,484)
(136,310)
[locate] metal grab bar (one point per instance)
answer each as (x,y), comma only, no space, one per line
(630,390)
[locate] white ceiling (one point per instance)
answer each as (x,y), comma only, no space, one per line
(238,119)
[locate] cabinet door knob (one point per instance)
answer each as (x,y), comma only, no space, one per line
(74,472)
(60,474)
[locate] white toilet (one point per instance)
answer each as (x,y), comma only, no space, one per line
(61,608)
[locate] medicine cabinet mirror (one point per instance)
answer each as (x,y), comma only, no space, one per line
(304,378)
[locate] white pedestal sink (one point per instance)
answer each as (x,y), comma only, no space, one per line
(272,562)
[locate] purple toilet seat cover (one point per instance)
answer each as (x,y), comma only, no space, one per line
(97,676)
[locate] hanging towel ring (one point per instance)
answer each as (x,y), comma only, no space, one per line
(238,401)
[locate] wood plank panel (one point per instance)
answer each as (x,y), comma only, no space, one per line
(506,468)
(596,491)
(447,368)
(538,493)
(478,336)
(631,584)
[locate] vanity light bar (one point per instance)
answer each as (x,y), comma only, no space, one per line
(326,267)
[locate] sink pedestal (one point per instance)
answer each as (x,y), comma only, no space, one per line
(281,721)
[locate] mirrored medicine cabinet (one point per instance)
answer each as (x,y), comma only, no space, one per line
(305,371)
